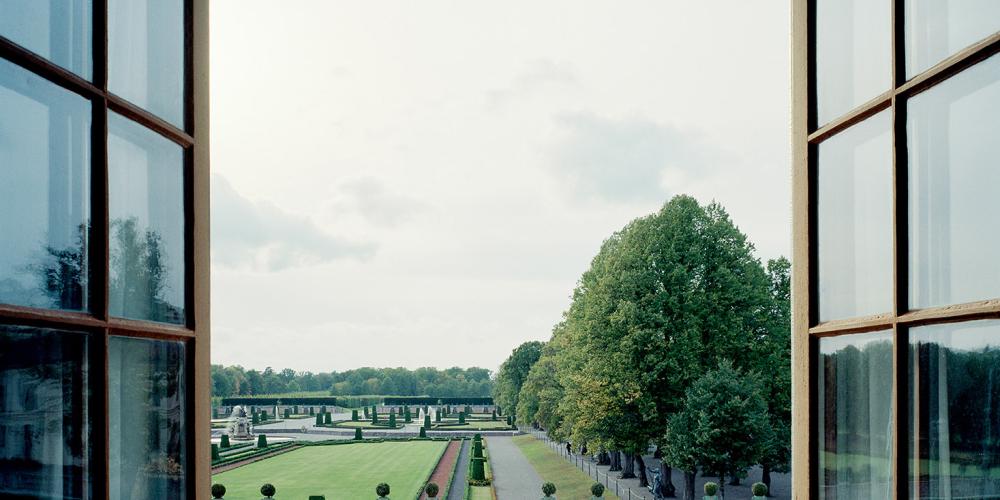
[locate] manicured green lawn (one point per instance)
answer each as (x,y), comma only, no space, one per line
(365,424)
(338,471)
(474,424)
(570,481)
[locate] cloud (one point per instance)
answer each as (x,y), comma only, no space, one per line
(537,75)
(626,160)
(369,198)
(261,236)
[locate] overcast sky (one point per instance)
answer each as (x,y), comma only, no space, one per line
(421,183)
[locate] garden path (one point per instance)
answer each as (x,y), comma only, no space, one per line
(461,479)
(513,476)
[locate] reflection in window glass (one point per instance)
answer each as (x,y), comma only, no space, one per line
(146,209)
(853,51)
(954,189)
(58,30)
(936,29)
(44,425)
(854,416)
(146,405)
(955,410)
(44,192)
(854,208)
(146,55)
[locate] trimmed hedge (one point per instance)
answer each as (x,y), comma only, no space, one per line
(224,441)
(357,434)
(425,400)
(423,432)
(354,415)
(262,441)
(215,452)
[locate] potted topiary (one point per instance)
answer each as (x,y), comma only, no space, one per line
(549,490)
(218,490)
(597,490)
(268,491)
(759,491)
(431,489)
(382,490)
(711,489)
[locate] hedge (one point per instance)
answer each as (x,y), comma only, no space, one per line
(271,401)
(425,400)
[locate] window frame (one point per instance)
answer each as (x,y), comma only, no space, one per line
(96,322)
(806,327)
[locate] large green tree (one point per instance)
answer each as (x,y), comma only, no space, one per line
(774,357)
(512,374)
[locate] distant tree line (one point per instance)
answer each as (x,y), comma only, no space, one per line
(432,382)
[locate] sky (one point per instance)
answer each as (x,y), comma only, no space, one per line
(400,183)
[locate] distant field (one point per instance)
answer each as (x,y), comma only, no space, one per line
(338,471)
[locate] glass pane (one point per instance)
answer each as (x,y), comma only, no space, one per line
(854,204)
(44,192)
(146,208)
(44,423)
(955,410)
(146,55)
(854,416)
(853,54)
(58,30)
(936,29)
(954,189)
(146,417)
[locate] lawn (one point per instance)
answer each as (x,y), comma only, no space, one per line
(338,471)
(570,481)
(365,424)
(453,425)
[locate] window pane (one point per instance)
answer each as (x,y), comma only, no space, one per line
(44,192)
(58,30)
(854,417)
(146,406)
(955,410)
(146,209)
(936,29)
(854,204)
(146,55)
(853,49)
(954,189)
(44,423)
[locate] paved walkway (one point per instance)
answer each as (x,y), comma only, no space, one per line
(461,479)
(513,476)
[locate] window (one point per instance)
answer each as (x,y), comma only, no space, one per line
(896,280)
(103,249)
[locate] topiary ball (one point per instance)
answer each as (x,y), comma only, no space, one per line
(267,490)
(759,489)
(597,490)
(549,489)
(431,489)
(711,489)
(382,490)
(218,491)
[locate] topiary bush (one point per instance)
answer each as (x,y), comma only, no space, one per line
(392,420)
(461,417)
(215,451)
(218,490)
(407,416)
(478,472)
(423,432)
(548,489)
(759,489)
(477,449)
(427,421)
(494,415)
(327,418)
(262,441)
(317,497)
(437,416)
(255,419)
(288,413)
(224,441)
(267,490)
(319,419)
(711,489)
(432,490)
(382,490)
(357,434)
(597,490)
(354,415)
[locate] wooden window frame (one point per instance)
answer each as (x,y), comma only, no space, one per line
(97,323)
(806,328)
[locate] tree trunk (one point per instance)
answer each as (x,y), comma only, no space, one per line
(616,461)
(722,486)
(628,468)
(735,481)
(643,479)
(689,477)
(667,488)
(603,458)
(765,477)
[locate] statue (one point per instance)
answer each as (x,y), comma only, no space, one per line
(239,426)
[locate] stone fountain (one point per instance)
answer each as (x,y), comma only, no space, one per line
(239,427)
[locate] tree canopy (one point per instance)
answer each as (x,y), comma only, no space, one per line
(512,374)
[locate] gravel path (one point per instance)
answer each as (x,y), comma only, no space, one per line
(461,479)
(513,476)
(445,466)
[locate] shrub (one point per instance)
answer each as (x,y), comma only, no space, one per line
(597,490)
(262,441)
(711,489)
(548,489)
(267,490)
(759,489)
(478,469)
(407,416)
(327,418)
(437,416)
(255,419)
(312,411)
(263,416)
(319,419)
(218,490)
(215,451)
(374,416)
(392,420)
(354,415)
(423,432)
(288,413)
(508,420)
(477,449)
(494,415)
(461,417)
(224,441)
(382,490)
(317,497)
(322,409)
(357,434)
(477,437)
(431,489)
(427,421)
